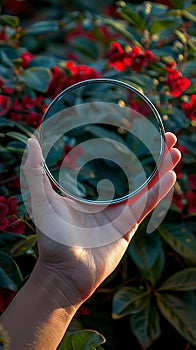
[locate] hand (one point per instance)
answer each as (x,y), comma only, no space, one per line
(86,267)
(65,274)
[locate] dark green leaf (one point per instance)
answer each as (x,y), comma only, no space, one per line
(175,124)
(154,9)
(166,52)
(11,52)
(23,246)
(44,61)
(8,238)
(11,21)
(121,28)
(5,122)
(37,78)
(146,252)
(158,25)
(144,82)
(42,27)
(145,248)
(192,45)
(10,275)
(186,40)
(184,280)
(189,15)
(132,17)
(129,300)
(102,132)
(27,129)
(189,69)
(180,239)
(16,147)
(181,36)
(83,340)
(18,136)
(178,4)
(180,312)
(85,46)
(146,325)
(132,81)
(6,61)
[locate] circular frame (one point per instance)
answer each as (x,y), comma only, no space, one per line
(160,128)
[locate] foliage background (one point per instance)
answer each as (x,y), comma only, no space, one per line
(149,301)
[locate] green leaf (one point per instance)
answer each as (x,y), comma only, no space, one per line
(85,46)
(37,78)
(132,17)
(146,325)
(5,122)
(189,69)
(42,27)
(144,81)
(181,36)
(11,21)
(192,9)
(27,129)
(154,9)
(10,275)
(178,4)
(189,15)
(44,61)
(83,340)
(128,300)
(18,136)
(102,132)
(185,39)
(121,28)
(165,51)
(161,24)
(146,252)
(192,45)
(180,312)
(7,65)
(180,239)
(23,245)
(8,238)
(16,147)
(184,280)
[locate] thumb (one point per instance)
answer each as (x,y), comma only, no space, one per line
(37,180)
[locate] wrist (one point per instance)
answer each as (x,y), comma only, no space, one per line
(59,288)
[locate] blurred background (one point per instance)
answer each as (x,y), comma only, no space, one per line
(45,46)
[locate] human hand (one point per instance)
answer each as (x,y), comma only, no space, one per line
(59,219)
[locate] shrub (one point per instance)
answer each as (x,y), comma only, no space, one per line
(151,46)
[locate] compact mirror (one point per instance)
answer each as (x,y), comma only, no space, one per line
(102,141)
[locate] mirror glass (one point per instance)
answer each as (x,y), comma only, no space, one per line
(102,141)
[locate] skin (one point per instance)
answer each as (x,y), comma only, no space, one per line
(65,276)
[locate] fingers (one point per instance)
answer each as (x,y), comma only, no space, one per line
(171,155)
(154,195)
(170,160)
(170,139)
(37,180)
(126,218)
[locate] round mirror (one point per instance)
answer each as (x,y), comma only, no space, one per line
(102,141)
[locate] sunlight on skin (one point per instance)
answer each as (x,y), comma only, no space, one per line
(66,276)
